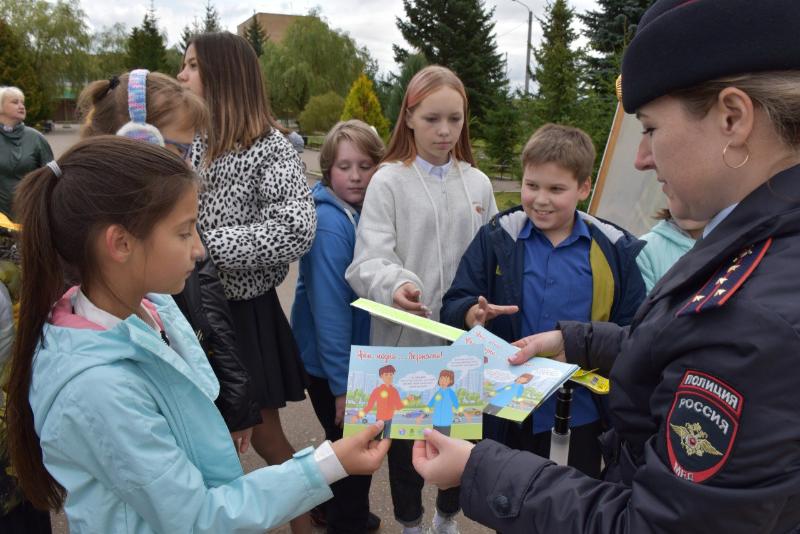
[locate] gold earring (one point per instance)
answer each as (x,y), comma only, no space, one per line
(739,166)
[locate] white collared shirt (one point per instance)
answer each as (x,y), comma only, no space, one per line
(440,171)
(86,309)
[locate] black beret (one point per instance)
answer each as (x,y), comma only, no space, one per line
(681,43)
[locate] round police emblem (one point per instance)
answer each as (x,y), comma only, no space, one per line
(702,426)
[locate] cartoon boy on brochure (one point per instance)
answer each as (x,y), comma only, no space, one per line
(443,403)
(386,398)
(504,395)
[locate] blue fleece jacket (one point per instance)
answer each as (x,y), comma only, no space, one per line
(324,323)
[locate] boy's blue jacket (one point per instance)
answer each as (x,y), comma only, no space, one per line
(492,267)
(323,322)
(128,427)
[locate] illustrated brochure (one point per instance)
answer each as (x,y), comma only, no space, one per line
(413,388)
(514,391)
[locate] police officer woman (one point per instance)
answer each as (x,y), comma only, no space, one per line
(705,394)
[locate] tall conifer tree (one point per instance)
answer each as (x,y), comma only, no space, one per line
(146,49)
(256,36)
(362,103)
(609,30)
(557,65)
(458,34)
(211,23)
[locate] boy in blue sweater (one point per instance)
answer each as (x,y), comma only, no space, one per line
(323,322)
(543,262)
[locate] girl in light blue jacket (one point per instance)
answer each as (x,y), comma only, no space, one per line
(111,411)
(667,241)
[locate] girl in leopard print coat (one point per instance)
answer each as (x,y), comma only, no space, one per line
(257,216)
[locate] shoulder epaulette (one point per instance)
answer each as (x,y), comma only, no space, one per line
(726,280)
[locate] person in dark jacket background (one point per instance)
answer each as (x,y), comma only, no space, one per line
(173,115)
(704,392)
(22,149)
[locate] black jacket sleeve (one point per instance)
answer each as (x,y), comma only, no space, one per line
(205,306)
(592,345)
(469,283)
(235,401)
(757,488)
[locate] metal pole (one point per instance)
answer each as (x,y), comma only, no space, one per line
(527,48)
(528,56)
(559,439)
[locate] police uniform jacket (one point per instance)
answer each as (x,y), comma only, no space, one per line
(704,398)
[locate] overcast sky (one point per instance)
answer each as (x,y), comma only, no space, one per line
(370,23)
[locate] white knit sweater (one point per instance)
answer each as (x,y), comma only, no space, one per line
(398,241)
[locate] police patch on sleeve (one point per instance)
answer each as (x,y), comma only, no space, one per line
(702,425)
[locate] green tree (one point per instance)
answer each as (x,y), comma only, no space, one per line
(321,113)
(501,132)
(187,34)
(362,103)
(313,59)
(609,30)
(458,34)
(57,40)
(108,52)
(173,60)
(412,65)
(146,49)
(256,36)
(557,65)
(16,70)
(212,22)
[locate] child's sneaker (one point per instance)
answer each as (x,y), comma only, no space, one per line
(442,525)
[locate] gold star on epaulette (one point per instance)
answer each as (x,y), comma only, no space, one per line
(726,280)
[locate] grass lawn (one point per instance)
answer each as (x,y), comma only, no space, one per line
(506,200)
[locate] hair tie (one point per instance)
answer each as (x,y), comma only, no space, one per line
(55,168)
(113,82)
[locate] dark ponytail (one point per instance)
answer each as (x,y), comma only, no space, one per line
(104,180)
(42,281)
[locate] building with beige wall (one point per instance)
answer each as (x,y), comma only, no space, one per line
(273,24)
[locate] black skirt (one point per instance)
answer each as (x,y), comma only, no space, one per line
(268,350)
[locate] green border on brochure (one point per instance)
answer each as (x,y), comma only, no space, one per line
(409,319)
